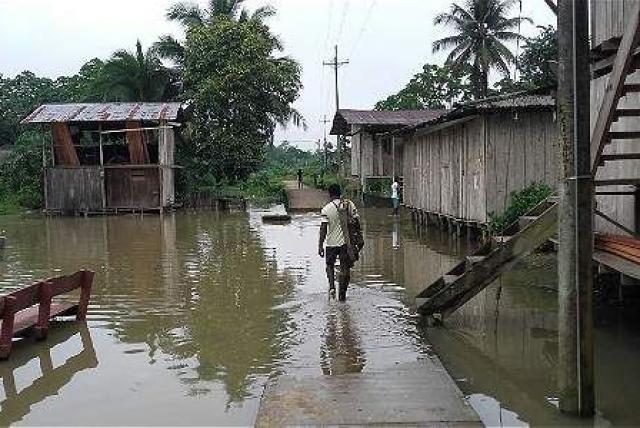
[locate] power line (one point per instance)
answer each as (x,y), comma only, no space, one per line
(344,17)
(336,64)
(364,24)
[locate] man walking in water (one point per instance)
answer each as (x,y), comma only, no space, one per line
(332,232)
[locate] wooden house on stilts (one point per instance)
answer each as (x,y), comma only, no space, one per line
(109,157)
(463,166)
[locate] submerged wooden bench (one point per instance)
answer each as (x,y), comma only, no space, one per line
(30,308)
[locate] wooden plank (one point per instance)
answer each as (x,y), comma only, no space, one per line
(617,263)
(64,150)
(619,156)
(617,182)
(622,135)
(138,152)
(445,298)
(615,86)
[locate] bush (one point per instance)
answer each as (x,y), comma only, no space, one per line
(21,175)
(519,204)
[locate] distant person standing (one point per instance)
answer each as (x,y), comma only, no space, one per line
(300,177)
(395,197)
(334,231)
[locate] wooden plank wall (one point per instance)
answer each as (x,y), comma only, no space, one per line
(520,150)
(443,171)
(355,153)
(74,189)
(166,151)
(366,156)
(608,20)
(454,173)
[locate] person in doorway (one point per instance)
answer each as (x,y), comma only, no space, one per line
(300,176)
(332,233)
(395,196)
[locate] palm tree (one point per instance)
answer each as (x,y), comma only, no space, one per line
(190,14)
(481,30)
(134,76)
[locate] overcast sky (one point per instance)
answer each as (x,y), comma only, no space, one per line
(386,42)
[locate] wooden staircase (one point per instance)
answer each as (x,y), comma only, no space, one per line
(482,267)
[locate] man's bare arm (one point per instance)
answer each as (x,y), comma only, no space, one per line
(323,236)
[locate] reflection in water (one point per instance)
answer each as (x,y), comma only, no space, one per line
(16,404)
(341,351)
(192,313)
(197,291)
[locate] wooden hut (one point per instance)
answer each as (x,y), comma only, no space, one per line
(465,164)
(374,153)
(108,157)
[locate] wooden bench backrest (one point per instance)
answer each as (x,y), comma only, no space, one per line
(64,284)
(31,295)
(24,297)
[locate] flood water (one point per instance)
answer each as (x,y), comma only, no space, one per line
(193,313)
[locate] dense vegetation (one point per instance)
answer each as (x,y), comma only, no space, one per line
(519,203)
(228,71)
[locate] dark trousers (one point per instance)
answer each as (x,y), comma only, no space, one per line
(332,254)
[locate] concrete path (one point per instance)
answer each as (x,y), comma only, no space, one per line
(354,363)
(305,199)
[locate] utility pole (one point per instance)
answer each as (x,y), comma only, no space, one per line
(324,122)
(336,64)
(575,213)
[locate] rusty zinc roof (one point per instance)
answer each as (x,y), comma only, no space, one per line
(104,112)
(344,118)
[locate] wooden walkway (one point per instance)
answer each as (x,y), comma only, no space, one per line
(305,199)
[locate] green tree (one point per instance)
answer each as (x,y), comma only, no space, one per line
(238,90)
(538,62)
(192,15)
(433,88)
(134,76)
(481,29)
(21,173)
(81,87)
(19,96)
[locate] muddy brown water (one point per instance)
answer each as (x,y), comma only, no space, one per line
(193,313)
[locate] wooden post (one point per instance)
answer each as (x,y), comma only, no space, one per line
(6,333)
(575,222)
(44,310)
(86,281)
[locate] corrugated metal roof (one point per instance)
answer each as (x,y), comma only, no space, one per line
(344,118)
(104,112)
(522,101)
(515,101)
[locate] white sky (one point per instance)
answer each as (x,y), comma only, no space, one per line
(386,42)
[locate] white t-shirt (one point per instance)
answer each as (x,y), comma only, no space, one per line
(330,215)
(394,190)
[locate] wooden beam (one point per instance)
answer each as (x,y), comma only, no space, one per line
(615,223)
(63,145)
(138,153)
(552,6)
(615,86)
